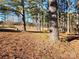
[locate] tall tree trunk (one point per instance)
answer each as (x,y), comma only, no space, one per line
(37,25)
(68,23)
(42,21)
(39,22)
(53,20)
(23,16)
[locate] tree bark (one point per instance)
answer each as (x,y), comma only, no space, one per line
(68,23)
(23,16)
(53,20)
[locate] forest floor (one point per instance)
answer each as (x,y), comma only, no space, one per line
(30,45)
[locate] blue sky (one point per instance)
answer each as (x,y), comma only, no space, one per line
(72,6)
(63,5)
(45,5)
(1,16)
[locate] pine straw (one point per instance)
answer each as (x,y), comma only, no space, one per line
(35,46)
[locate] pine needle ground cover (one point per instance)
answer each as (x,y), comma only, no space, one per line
(25,45)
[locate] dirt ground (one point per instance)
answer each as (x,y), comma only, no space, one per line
(29,45)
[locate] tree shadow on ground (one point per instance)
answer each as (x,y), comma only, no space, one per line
(9,30)
(36,32)
(70,38)
(13,30)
